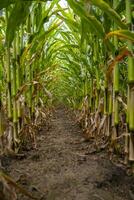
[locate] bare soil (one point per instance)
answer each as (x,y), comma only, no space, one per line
(62,168)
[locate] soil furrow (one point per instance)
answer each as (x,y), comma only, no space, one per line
(61,168)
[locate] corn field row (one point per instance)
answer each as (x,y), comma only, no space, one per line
(80,55)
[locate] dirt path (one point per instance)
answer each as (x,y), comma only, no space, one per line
(62,168)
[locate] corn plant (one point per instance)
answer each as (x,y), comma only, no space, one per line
(80,55)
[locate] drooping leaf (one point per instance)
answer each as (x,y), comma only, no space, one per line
(70,23)
(39,40)
(109,11)
(46,15)
(93,23)
(123,52)
(125,34)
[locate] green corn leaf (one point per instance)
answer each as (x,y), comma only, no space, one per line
(45,18)
(39,40)
(5,3)
(109,11)
(70,23)
(121,6)
(93,23)
(17,17)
